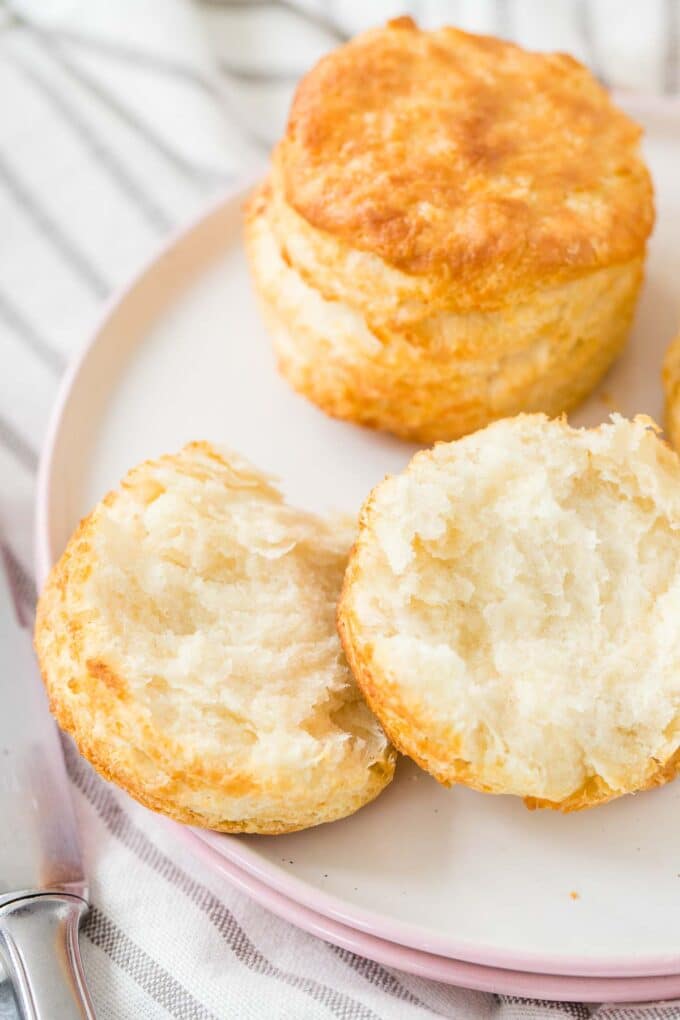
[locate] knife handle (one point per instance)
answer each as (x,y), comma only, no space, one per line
(39,945)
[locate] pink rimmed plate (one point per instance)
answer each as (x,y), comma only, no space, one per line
(427,965)
(181,354)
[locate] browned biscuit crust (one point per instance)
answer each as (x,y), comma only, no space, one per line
(137,722)
(465,157)
(453,231)
(418,723)
(671,386)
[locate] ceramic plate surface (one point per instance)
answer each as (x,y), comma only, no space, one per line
(182,355)
(437,968)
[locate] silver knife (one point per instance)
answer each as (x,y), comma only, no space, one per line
(42,884)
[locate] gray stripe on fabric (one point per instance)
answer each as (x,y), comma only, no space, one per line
(671,78)
(104,156)
(244,126)
(503,18)
(587,33)
(526,1008)
(9,1009)
(121,826)
(379,976)
(158,984)
(22,582)
(15,320)
(19,447)
(316,18)
(258,77)
(140,58)
(628,1011)
(174,69)
(136,58)
(171,68)
(50,230)
(415,9)
(197,175)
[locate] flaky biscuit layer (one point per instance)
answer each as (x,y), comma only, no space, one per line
(510,610)
(187,642)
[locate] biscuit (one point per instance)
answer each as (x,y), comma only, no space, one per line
(187,641)
(510,610)
(671,386)
(453,230)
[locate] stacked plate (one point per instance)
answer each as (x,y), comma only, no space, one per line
(447,884)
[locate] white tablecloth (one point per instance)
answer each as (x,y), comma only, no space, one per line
(119,119)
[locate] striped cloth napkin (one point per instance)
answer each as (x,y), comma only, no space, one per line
(119,120)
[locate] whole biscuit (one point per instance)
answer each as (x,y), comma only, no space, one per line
(453,231)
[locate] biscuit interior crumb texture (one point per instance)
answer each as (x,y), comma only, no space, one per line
(187,639)
(511,609)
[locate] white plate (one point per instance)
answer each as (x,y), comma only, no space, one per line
(437,968)
(182,355)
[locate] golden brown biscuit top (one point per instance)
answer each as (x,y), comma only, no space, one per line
(446,151)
